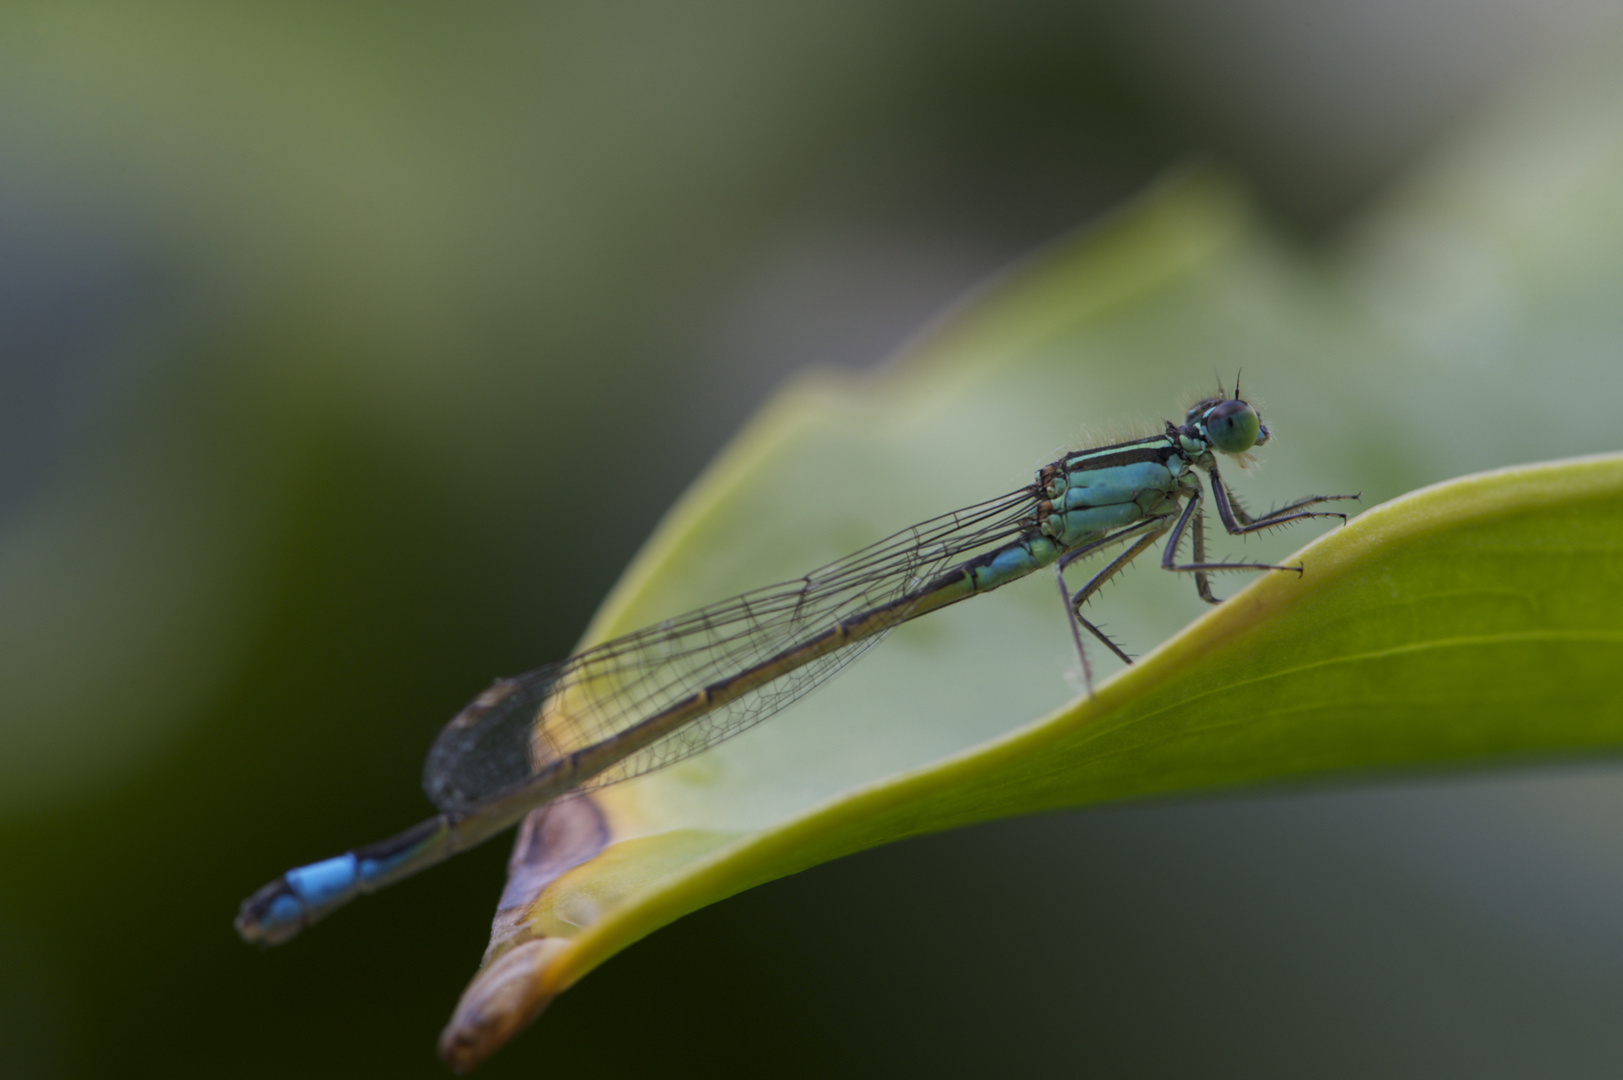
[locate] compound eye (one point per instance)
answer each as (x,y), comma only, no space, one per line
(1233,427)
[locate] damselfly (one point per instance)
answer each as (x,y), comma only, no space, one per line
(666,692)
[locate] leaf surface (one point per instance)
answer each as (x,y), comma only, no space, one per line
(1465,622)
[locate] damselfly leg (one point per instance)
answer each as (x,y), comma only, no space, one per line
(1191,520)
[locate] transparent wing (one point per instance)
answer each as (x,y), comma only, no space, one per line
(520,725)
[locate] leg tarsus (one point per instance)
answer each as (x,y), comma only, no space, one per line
(1072,618)
(1109,642)
(1203,581)
(1238,522)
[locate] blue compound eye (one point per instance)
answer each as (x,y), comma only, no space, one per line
(1233,427)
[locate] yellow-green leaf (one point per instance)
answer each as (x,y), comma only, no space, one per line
(1470,620)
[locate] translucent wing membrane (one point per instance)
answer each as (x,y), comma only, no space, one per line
(513,732)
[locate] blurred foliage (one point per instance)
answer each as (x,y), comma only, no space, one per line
(349,354)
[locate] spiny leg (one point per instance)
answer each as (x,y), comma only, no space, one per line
(1203,581)
(1152,529)
(1076,631)
(1169,556)
(1238,522)
(1097,582)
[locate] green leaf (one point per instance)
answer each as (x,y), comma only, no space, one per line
(1471,620)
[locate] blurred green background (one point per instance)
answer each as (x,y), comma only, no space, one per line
(346,355)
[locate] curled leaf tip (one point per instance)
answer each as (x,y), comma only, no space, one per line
(501,1001)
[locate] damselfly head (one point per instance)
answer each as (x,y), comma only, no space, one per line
(1231,426)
